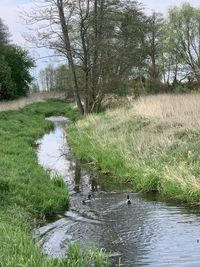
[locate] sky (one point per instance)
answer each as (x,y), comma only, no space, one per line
(10,13)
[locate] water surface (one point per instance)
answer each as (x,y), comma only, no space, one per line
(146,233)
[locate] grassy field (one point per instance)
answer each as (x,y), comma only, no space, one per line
(153,143)
(27,194)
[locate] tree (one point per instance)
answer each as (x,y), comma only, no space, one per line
(131,49)
(47,78)
(56,78)
(155,32)
(89,34)
(34,87)
(7,86)
(15,64)
(63,80)
(4,33)
(19,63)
(185,34)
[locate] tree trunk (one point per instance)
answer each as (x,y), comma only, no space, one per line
(69,54)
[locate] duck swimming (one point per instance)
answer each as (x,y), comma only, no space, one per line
(88,200)
(128,200)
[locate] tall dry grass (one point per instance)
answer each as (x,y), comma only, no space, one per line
(34,97)
(184,109)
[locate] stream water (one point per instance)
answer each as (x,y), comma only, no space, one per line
(148,232)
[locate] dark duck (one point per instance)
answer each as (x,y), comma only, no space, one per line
(88,200)
(128,200)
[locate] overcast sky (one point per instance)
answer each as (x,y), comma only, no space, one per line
(9,12)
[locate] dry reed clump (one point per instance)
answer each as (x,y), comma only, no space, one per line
(34,97)
(184,109)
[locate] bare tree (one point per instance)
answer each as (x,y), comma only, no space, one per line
(88,33)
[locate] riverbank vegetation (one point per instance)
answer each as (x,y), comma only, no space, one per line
(27,194)
(152,143)
(115,47)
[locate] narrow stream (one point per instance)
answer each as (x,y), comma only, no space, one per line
(146,233)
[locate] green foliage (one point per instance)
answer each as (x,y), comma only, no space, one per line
(4,34)
(183,40)
(154,45)
(153,86)
(15,64)
(59,78)
(7,86)
(179,88)
(19,63)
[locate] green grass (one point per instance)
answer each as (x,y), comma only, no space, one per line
(81,257)
(22,181)
(27,194)
(152,155)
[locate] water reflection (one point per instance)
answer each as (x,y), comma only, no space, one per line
(146,233)
(77,178)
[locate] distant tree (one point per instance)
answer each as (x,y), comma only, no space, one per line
(4,33)
(155,32)
(57,79)
(131,50)
(172,62)
(19,62)
(34,87)
(15,64)
(184,23)
(63,81)
(47,78)
(154,43)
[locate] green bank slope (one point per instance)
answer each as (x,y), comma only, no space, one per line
(152,155)
(27,194)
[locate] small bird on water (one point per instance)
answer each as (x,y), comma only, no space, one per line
(128,200)
(88,200)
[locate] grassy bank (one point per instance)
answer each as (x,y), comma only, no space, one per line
(27,194)
(154,149)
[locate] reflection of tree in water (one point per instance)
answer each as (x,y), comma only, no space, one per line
(94,185)
(77,180)
(77,177)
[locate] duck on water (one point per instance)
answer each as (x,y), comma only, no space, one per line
(128,200)
(88,200)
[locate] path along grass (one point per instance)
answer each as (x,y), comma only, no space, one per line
(152,153)
(26,191)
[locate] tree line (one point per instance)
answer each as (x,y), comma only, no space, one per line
(109,46)
(112,46)
(15,64)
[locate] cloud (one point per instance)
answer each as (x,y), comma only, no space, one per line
(9,12)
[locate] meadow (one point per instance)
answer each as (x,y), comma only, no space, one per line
(152,142)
